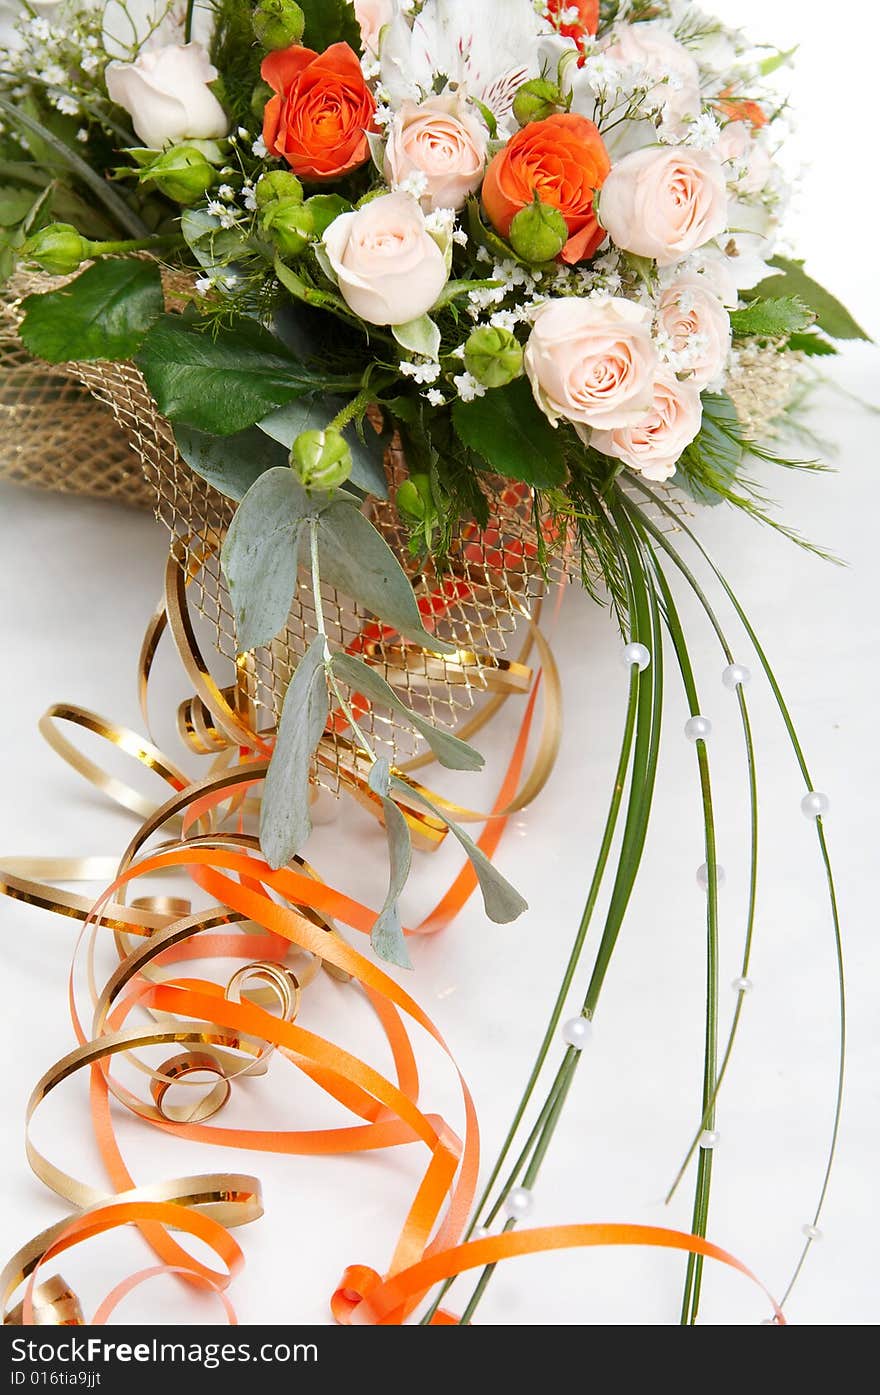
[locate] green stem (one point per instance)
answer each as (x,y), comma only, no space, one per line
(141,244)
(188,23)
(353,409)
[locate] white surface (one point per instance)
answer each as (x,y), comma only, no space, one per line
(79,581)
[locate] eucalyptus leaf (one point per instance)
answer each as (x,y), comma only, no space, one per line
(15,204)
(419,336)
(211,244)
(511,434)
(359,563)
(223,382)
(450,750)
(387,936)
(368,469)
(230,463)
(105,313)
(502,901)
(285,820)
(261,555)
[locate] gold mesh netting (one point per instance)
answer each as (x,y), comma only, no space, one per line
(494,578)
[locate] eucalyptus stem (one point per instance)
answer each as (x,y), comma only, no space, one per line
(328,657)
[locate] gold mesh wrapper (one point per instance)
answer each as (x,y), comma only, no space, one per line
(493,582)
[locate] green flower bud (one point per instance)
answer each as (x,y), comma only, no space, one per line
(290,225)
(538,233)
(279,184)
(414,498)
(59,249)
(278,23)
(536,100)
(493,356)
(182,174)
(321,459)
(259,97)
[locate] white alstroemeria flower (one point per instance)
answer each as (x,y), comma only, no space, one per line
(490,48)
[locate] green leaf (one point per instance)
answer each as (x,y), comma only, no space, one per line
(285,820)
(772,319)
(229,463)
(261,555)
(309,294)
(225,382)
(512,435)
(710,464)
(330,22)
(359,563)
(368,470)
(419,336)
(792,280)
(326,208)
(777,60)
(502,901)
(387,936)
(104,314)
(450,750)
(453,289)
(811,344)
(15,204)
(210,244)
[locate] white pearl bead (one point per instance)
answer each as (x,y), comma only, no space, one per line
(814,805)
(519,1204)
(709,1139)
(577,1032)
(636,655)
(742,985)
(703,876)
(812,1232)
(698,729)
(736,676)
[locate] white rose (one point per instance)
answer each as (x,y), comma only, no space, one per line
(592,361)
(664,203)
(654,445)
(389,268)
(697,327)
(752,164)
(444,142)
(166,93)
(372,16)
(659,62)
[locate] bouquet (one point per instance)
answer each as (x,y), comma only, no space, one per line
(429,292)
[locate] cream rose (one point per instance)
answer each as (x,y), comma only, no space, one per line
(654,445)
(592,361)
(697,329)
(166,94)
(389,268)
(444,142)
(749,156)
(659,62)
(372,16)
(663,203)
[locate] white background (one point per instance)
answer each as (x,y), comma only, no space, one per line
(79,582)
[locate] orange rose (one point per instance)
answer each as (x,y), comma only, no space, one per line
(587,21)
(564,161)
(323,109)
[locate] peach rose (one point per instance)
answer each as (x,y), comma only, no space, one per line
(592,361)
(443,141)
(698,329)
(388,266)
(654,445)
(322,110)
(671,74)
(372,16)
(664,203)
(564,161)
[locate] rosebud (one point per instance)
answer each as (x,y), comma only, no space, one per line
(290,225)
(280,184)
(182,174)
(536,100)
(278,23)
(59,249)
(493,356)
(414,498)
(539,232)
(321,459)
